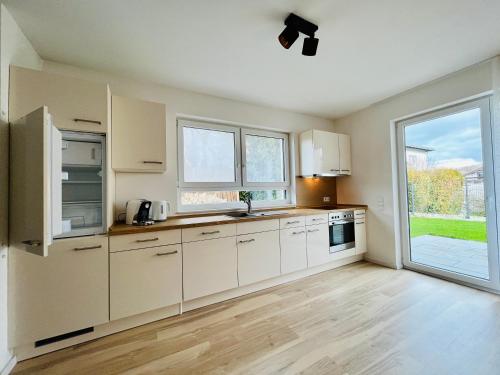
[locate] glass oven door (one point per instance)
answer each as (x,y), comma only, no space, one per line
(341,235)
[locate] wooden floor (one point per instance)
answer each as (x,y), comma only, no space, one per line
(358,319)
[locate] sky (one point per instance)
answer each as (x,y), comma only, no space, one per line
(455,139)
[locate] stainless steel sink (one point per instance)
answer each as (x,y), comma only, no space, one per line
(256,214)
(238,214)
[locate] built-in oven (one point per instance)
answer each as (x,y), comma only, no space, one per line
(341,226)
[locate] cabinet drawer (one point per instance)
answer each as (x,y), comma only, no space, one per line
(209,267)
(208,232)
(359,214)
(145,279)
(64,292)
(292,222)
(257,226)
(144,240)
(316,219)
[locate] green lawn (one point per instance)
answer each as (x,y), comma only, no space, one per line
(465,230)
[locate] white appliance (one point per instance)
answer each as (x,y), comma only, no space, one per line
(159,210)
(132,207)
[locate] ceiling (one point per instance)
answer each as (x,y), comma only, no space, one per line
(368,50)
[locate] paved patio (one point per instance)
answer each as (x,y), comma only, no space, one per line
(462,256)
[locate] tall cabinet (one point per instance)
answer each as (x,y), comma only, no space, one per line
(67,288)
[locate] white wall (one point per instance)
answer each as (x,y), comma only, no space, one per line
(181,102)
(14,49)
(370,129)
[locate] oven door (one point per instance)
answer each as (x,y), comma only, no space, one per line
(341,235)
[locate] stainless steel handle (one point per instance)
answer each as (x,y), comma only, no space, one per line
(168,253)
(87,248)
(293,222)
(246,241)
(152,162)
(360,214)
(34,243)
(341,222)
(89,121)
(148,240)
(316,219)
(360,222)
(302,231)
(334,170)
(212,232)
(313,230)
(345,170)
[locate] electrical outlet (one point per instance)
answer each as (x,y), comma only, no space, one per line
(326,199)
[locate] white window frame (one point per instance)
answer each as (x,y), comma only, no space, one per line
(240,184)
(286,157)
(181,124)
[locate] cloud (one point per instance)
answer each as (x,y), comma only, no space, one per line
(455,163)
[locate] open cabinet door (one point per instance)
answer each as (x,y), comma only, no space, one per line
(35,175)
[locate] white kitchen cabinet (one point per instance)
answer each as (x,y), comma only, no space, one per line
(209,267)
(61,293)
(345,154)
(318,244)
(208,232)
(360,231)
(324,153)
(143,240)
(145,279)
(139,135)
(258,257)
(293,249)
(75,104)
(292,222)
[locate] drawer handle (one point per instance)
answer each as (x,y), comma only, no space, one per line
(148,240)
(247,241)
(300,232)
(334,170)
(317,219)
(313,230)
(360,222)
(89,121)
(152,162)
(87,248)
(169,253)
(293,222)
(345,170)
(212,232)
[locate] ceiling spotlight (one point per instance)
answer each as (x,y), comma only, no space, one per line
(295,24)
(310,46)
(288,37)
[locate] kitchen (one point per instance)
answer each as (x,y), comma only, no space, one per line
(138,204)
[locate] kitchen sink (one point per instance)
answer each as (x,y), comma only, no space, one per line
(256,214)
(238,214)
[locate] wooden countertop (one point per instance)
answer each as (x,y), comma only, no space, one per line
(193,220)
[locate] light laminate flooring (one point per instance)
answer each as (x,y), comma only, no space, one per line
(358,319)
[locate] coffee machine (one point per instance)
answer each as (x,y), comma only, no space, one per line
(138,212)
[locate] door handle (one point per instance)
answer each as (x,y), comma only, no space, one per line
(212,232)
(313,230)
(152,162)
(87,248)
(169,253)
(89,121)
(360,222)
(247,241)
(34,243)
(293,222)
(148,240)
(300,232)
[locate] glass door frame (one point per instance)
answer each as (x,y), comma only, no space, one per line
(485,105)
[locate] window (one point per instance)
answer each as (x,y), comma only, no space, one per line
(217,161)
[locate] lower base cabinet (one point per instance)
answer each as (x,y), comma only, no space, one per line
(258,257)
(145,279)
(360,231)
(209,267)
(293,249)
(63,292)
(318,245)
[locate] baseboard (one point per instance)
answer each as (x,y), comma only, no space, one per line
(382,263)
(9,366)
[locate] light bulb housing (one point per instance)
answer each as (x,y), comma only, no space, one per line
(310,46)
(288,37)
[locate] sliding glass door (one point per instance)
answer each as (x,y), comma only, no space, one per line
(447,194)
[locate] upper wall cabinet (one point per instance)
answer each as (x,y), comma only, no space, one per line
(325,153)
(75,104)
(139,135)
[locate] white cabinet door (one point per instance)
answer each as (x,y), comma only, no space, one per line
(35,182)
(258,257)
(75,104)
(360,231)
(139,135)
(318,245)
(145,279)
(293,249)
(61,293)
(326,152)
(345,154)
(209,267)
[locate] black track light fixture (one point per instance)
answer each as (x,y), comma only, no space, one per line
(295,24)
